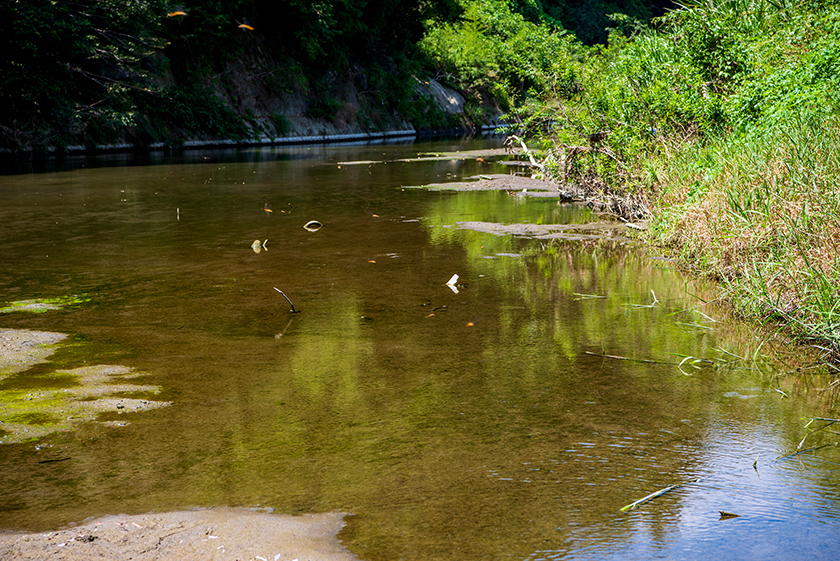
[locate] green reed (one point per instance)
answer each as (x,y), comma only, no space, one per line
(761,213)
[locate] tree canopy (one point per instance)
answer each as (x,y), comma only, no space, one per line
(85,71)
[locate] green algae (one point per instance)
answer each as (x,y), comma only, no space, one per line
(29,415)
(41,305)
(35,403)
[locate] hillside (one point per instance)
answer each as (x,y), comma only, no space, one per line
(153,72)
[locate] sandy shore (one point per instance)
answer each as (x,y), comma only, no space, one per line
(223,534)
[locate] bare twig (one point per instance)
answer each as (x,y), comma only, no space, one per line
(294,311)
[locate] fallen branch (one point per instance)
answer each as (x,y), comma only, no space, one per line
(828,422)
(616,357)
(509,146)
(812,449)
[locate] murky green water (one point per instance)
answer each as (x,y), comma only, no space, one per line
(476,425)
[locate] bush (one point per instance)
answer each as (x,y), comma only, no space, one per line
(492,45)
(323,108)
(190,111)
(281,123)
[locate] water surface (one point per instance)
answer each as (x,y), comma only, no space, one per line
(482,424)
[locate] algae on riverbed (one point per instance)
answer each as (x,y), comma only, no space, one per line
(41,305)
(74,396)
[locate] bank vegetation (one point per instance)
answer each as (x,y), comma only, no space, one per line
(719,121)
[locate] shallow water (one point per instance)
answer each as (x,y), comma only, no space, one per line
(476,425)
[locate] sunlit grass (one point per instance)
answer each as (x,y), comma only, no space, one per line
(760,213)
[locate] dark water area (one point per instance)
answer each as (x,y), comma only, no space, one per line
(479,424)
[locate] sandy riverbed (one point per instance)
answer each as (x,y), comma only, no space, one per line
(210,534)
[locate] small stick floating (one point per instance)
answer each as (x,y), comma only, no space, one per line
(634,504)
(294,311)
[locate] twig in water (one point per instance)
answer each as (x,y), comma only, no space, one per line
(616,357)
(693,363)
(651,305)
(586,296)
(826,420)
(659,493)
(277,336)
(722,350)
(294,311)
(812,449)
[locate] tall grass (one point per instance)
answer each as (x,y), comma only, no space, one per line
(761,213)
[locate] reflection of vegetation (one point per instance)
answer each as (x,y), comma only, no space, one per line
(328,360)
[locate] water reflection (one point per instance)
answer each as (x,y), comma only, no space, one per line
(513,418)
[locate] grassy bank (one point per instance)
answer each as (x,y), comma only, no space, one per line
(761,214)
(720,122)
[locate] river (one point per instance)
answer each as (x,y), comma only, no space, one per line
(510,414)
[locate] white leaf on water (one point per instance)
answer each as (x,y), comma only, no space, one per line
(451,283)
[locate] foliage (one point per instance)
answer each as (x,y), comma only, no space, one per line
(492,44)
(726,116)
(760,213)
(101,72)
(323,108)
(590,19)
(191,111)
(281,123)
(64,61)
(729,65)
(94,72)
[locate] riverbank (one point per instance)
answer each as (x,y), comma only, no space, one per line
(299,140)
(722,118)
(756,214)
(759,216)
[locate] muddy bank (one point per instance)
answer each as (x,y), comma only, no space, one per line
(521,186)
(208,534)
(515,184)
(589,231)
